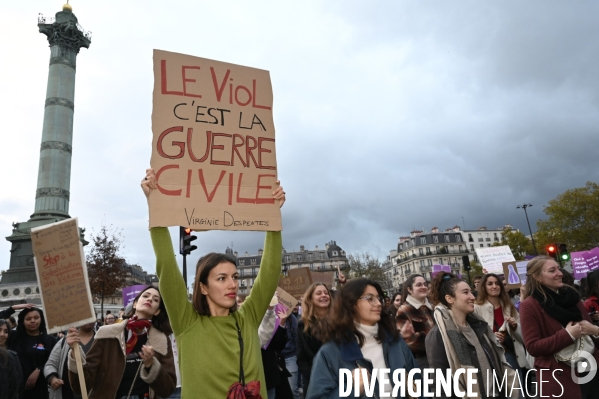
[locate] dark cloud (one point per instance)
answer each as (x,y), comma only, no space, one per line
(390,116)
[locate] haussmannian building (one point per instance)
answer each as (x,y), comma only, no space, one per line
(319,260)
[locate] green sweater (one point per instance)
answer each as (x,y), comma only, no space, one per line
(208,345)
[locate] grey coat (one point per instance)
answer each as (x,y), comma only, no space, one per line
(55,365)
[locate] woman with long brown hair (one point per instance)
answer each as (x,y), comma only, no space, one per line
(362,335)
(132,359)
(415,317)
(219,348)
(556,319)
(494,305)
(313,327)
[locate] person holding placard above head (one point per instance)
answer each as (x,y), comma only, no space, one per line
(219,347)
(556,328)
(33,346)
(132,359)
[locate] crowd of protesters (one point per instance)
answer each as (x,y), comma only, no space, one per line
(220,345)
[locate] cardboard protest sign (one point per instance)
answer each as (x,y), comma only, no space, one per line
(515,273)
(297,281)
(62,275)
(286,301)
(130,292)
(492,258)
(213,147)
(327,278)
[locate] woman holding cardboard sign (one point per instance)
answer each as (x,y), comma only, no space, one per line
(219,345)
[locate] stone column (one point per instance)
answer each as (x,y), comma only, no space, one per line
(66,38)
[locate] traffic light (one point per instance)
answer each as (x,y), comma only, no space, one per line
(564,255)
(466,263)
(552,250)
(185,239)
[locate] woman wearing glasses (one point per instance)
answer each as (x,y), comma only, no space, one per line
(361,336)
(415,317)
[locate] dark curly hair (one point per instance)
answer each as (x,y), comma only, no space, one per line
(443,284)
(343,328)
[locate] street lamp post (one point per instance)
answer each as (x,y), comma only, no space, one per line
(529,229)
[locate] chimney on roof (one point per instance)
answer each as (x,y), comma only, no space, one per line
(302,248)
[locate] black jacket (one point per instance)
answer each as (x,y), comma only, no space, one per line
(272,373)
(307,348)
(11,376)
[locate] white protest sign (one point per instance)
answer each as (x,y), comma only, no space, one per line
(492,258)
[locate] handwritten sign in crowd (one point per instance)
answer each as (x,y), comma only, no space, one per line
(62,275)
(213,147)
(492,258)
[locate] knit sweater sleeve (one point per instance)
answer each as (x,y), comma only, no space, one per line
(172,287)
(266,283)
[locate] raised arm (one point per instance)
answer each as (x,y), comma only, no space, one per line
(172,286)
(267,280)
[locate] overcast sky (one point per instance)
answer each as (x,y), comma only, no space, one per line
(389,115)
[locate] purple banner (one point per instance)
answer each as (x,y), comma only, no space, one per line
(592,259)
(129,293)
(580,268)
(440,268)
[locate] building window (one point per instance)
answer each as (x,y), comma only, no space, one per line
(458,238)
(401,247)
(470,238)
(254,271)
(480,239)
(253,261)
(482,245)
(422,263)
(420,251)
(335,253)
(413,242)
(430,262)
(309,256)
(311,266)
(446,237)
(322,265)
(322,255)
(241,272)
(472,247)
(299,258)
(488,245)
(428,250)
(422,240)
(459,248)
(287,258)
(435,239)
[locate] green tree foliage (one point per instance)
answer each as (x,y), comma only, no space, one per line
(518,243)
(105,265)
(366,265)
(573,219)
